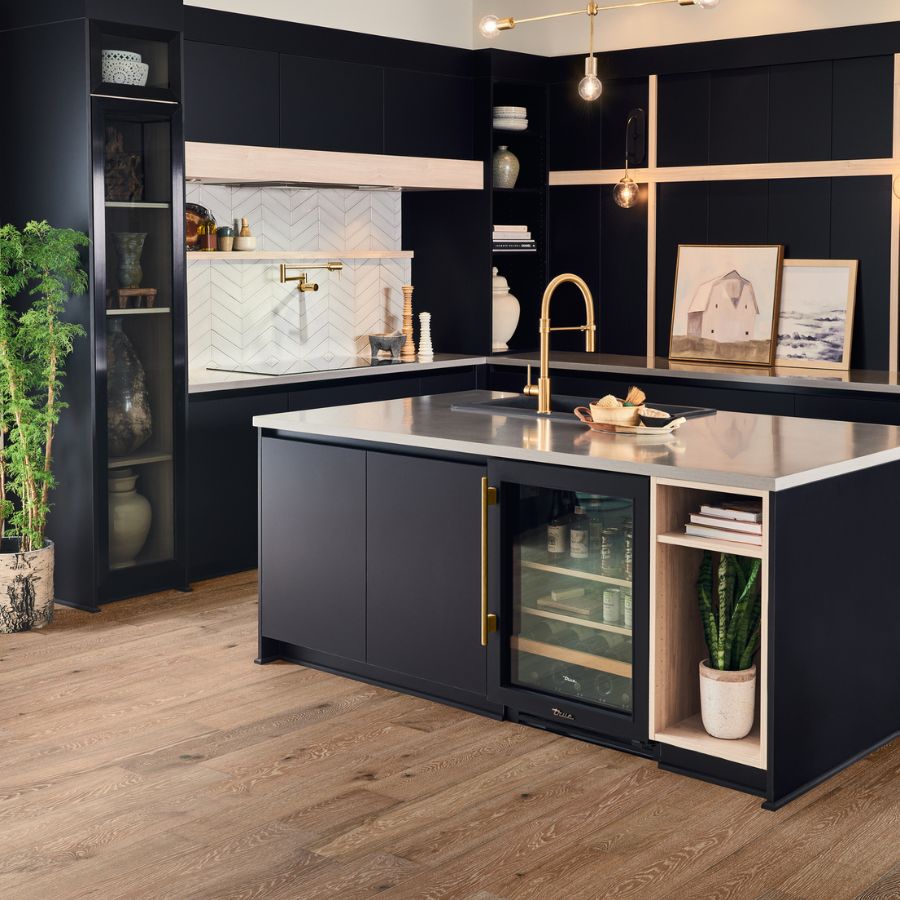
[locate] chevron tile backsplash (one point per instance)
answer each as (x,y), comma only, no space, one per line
(239,314)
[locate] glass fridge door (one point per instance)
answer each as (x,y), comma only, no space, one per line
(571,585)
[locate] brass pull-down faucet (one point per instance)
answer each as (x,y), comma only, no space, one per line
(541,390)
(304,284)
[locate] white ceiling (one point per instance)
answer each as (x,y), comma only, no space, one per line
(452,22)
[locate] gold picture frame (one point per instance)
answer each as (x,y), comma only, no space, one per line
(808,302)
(715,307)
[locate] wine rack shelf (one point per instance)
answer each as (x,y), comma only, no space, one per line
(576,620)
(574,657)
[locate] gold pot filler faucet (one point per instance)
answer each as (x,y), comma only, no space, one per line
(304,284)
(542,389)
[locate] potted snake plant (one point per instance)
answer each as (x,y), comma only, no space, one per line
(40,267)
(730,611)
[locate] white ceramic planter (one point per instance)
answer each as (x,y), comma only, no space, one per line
(727,701)
(505,313)
(26,586)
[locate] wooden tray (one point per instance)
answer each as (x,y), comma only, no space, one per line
(584,415)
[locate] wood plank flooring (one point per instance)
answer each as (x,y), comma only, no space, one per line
(143,754)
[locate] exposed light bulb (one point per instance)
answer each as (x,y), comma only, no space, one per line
(706,4)
(489,27)
(590,87)
(625,193)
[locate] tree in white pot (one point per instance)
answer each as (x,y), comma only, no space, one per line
(42,266)
(730,612)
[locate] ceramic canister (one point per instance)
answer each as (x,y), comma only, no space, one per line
(505,312)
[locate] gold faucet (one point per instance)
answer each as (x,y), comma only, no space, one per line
(542,389)
(304,284)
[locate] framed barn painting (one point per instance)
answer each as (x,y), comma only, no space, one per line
(815,324)
(726,303)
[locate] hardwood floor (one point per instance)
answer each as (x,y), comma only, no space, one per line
(143,754)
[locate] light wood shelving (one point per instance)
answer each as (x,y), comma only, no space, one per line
(134,204)
(573,657)
(677,643)
(280,255)
(139,459)
(144,311)
(575,620)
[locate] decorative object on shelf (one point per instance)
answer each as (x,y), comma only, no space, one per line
(426,350)
(42,265)
(626,192)
(505,167)
(408,353)
(123,67)
(131,298)
(129,247)
(128,414)
(207,234)
(194,216)
(815,321)
(726,300)
(245,240)
(590,87)
(506,311)
(386,343)
(730,613)
(513,239)
(510,118)
(123,171)
(130,516)
(225,238)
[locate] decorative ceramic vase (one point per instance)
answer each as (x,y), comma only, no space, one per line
(727,701)
(130,516)
(505,168)
(26,586)
(128,418)
(129,247)
(426,349)
(506,312)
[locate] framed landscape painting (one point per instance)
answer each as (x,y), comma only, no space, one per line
(815,323)
(726,303)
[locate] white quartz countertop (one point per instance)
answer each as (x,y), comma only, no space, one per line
(737,449)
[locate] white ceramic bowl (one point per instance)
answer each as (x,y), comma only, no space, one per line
(123,67)
(511,124)
(141,72)
(245,243)
(510,112)
(121,54)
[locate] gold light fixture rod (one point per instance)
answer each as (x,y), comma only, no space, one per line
(592,9)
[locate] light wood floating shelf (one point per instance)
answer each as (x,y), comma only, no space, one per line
(238,164)
(574,657)
(239,255)
(691,735)
(149,311)
(575,620)
(701,543)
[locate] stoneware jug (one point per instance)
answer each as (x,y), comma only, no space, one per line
(130,515)
(506,312)
(129,421)
(505,168)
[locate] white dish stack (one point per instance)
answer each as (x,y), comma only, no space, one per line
(510,118)
(123,67)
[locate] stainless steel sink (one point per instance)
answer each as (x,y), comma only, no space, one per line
(561,408)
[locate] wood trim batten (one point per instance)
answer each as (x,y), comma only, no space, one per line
(894,300)
(652,132)
(235,164)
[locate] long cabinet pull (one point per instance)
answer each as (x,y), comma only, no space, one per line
(488,620)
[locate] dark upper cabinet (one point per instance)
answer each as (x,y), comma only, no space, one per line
(230,95)
(312,543)
(427,114)
(424,570)
(331,105)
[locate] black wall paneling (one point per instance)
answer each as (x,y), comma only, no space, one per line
(800,105)
(574,129)
(800,217)
(331,105)
(159,14)
(738,116)
(738,212)
(863,107)
(244,113)
(683,119)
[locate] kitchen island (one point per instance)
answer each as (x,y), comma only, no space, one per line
(405,542)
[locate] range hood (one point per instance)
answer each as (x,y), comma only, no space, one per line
(238,164)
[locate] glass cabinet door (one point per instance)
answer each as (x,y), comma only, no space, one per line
(572,606)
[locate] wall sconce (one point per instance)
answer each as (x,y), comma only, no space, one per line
(626,192)
(590,87)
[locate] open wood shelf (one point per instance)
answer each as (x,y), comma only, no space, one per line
(575,620)
(574,657)
(298,254)
(134,204)
(689,734)
(144,311)
(139,459)
(735,548)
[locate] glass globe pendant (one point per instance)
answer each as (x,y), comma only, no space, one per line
(625,193)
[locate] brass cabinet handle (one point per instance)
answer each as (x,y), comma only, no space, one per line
(488,620)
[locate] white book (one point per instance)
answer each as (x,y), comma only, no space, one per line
(512,235)
(728,524)
(510,228)
(723,534)
(747,511)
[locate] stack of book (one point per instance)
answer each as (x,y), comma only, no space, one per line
(513,239)
(736,520)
